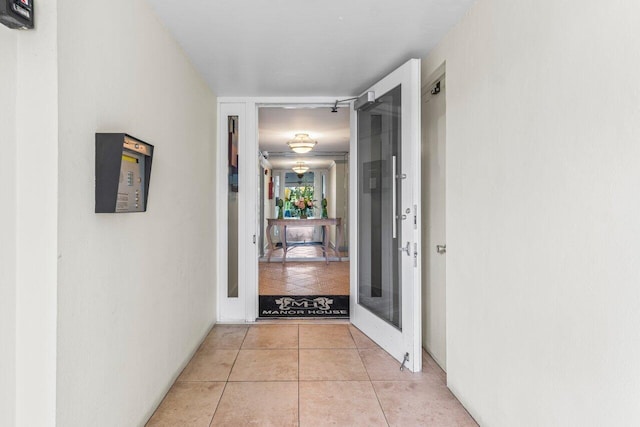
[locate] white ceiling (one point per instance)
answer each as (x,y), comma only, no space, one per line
(304,47)
(278,125)
(313,162)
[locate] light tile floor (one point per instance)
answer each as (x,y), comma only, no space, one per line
(304,374)
(304,278)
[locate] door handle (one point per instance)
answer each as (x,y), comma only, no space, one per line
(406,249)
(441,249)
(393,198)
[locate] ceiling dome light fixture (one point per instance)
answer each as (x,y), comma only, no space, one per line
(300,168)
(302,143)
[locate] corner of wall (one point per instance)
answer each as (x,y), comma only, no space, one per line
(37,219)
(8,75)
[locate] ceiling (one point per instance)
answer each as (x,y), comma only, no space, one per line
(278,125)
(304,47)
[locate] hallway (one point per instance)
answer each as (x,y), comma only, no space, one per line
(306,374)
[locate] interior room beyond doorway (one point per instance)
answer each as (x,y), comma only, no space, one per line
(304,247)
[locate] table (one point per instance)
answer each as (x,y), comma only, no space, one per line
(307,222)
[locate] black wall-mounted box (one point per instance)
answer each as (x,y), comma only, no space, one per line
(17,14)
(123,172)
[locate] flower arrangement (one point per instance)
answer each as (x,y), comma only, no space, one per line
(304,207)
(299,201)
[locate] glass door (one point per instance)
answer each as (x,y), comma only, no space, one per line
(386,177)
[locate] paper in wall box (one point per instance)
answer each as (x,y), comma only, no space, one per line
(123,173)
(17,14)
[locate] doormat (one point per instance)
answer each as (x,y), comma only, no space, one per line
(304,306)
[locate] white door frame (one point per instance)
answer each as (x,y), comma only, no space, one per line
(245,307)
(438,354)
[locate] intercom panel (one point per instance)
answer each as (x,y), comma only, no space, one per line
(123,171)
(17,14)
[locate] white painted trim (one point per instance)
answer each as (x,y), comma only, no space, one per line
(415,127)
(353,214)
(282,101)
(438,75)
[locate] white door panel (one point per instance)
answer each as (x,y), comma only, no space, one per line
(385,195)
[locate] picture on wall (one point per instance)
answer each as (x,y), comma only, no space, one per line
(233,153)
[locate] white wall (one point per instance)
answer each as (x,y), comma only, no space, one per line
(543,131)
(9,49)
(36,113)
(136,292)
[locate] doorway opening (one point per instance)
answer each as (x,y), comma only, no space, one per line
(304,212)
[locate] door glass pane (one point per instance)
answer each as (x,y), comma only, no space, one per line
(232,214)
(379,231)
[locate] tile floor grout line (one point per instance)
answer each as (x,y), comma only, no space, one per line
(371,384)
(228,375)
(380,403)
(218,404)
(237,354)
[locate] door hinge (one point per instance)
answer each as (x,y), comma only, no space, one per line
(415,254)
(415,217)
(406,249)
(254,239)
